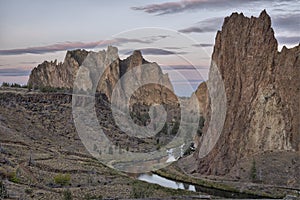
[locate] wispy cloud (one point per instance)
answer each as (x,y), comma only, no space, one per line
(202,45)
(188,5)
(287,22)
(180,6)
(289,40)
(182,67)
(204,26)
(14,72)
(152,51)
(78,45)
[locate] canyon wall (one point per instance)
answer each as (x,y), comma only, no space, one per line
(262,89)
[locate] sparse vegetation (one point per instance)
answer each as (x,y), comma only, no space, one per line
(14,85)
(200,125)
(3,191)
(48,89)
(62,179)
(67,195)
(28,191)
(5,84)
(12,176)
(175,128)
(139,191)
(90,197)
(253,171)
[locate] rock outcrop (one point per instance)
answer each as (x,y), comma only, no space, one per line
(58,75)
(262,89)
(202,95)
(111,68)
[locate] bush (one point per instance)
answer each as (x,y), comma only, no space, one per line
(175,128)
(140,191)
(12,176)
(62,179)
(200,125)
(16,85)
(5,84)
(253,171)
(28,190)
(90,197)
(67,195)
(48,89)
(3,191)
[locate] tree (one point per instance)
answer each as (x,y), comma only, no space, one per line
(200,125)
(5,84)
(175,128)
(3,191)
(253,171)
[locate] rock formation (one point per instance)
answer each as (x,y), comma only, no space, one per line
(262,89)
(112,68)
(202,95)
(58,75)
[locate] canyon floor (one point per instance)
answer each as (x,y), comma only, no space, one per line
(42,157)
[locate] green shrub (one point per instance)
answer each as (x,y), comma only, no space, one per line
(200,125)
(28,191)
(140,191)
(16,85)
(165,129)
(62,179)
(90,197)
(5,84)
(3,191)
(67,195)
(175,128)
(12,176)
(48,89)
(253,171)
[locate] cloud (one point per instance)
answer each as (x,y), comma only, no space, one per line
(289,40)
(194,29)
(189,5)
(78,45)
(14,72)
(182,67)
(174,48)
(151,51)
(204,26)
(179,6)
(202,45)
(287,22)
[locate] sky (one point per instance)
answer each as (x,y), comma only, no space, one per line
(177,34)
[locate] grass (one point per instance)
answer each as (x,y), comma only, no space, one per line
(12,176)
(62,179)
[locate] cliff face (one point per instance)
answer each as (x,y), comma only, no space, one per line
(202,95)
(262,89)
(107,63)
(55,74)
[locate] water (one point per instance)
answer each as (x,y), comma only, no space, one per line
(154,178)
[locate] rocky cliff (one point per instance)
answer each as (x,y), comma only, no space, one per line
(111,68)
(262,87)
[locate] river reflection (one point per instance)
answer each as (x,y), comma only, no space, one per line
(154,178)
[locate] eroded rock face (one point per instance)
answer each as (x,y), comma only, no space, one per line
(202,95)
(55,74)
(262,89)
(107,63)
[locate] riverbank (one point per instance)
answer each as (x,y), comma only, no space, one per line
(226,188)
